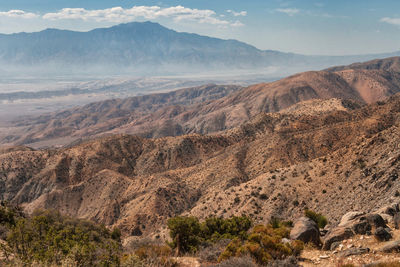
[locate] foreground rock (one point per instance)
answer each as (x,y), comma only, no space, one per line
(353,223)
(336,235)
(382,234)
(306,230)
(353,251)
(393,246)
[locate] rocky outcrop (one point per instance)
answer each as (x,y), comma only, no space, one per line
(382,234)
(306,230)
(353,223)
(393,246)
(336,235)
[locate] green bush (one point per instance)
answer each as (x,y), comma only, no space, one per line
(264,244)
(188,233)
(185,233)
(213,228)
(9,214)
(49,238)
(318,218)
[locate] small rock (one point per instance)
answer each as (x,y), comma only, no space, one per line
(396,220)
(335,245)
(382,234)
(388,218)
(353,251)
(376,220)
(393,246)
(389,210)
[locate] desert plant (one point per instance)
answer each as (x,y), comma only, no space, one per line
(264,244)
(188,233)
(48,238)
(185,234)
(318,218)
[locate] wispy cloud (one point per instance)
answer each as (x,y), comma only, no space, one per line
(393,21)
(289,11)
(18,14)
(237,14)
(119,14)
(237,24)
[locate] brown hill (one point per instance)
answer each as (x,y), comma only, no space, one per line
(332,161)
(208,109)
(387,64)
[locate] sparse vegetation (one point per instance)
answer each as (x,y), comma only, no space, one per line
(188,233)
(318,218)
(49,238)
(264,244)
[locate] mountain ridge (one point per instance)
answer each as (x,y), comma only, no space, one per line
(220,108)
(295,160)
(147,47)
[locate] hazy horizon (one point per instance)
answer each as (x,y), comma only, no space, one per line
(310,27)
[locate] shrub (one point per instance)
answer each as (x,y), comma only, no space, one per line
(155,255)
(132,260)
(264,244)
(212,252)
(185,233)
(263,196)
(188,233)
(213,228)
(9,214)
(318,218)
(49,238)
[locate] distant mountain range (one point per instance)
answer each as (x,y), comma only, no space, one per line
(147,48)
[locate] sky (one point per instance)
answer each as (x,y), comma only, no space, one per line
(312,27)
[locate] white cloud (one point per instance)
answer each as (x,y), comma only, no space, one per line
(237,14)
(393,21)
(288,11)
(237,24)
(119,14)
(18,14)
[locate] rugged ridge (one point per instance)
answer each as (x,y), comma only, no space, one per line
(208,109)
(331,161)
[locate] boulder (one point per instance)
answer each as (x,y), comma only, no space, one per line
(375,220)
(389,210)
(393,246)
(362,223)
(353,251)
(306,230)
(350,216)
(336,235)
(396,220)
(387,218)
(360,226)
(382,234)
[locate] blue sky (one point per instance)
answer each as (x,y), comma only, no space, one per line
(330,27)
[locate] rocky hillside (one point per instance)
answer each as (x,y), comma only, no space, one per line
(207,109)
(332,160)
(100,117)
